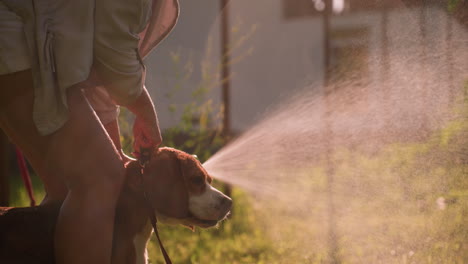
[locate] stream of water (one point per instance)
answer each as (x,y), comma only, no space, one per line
(365,170)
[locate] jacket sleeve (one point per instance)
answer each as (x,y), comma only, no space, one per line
(116,58)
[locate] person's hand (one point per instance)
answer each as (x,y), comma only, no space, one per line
(146,131)
(146,135)
(125,158)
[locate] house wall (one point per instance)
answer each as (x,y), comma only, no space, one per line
(284,55)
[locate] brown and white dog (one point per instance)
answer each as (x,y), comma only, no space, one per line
(177,186)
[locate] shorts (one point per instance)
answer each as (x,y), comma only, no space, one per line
(14,57)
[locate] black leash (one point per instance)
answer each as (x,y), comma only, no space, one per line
(145,156)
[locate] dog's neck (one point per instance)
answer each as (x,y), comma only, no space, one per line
(132,223)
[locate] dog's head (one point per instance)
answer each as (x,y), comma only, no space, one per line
(180,190)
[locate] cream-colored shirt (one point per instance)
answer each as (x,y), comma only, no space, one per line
(66,37)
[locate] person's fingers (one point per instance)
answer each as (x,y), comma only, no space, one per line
(125,158)
(145,135)
(141,133)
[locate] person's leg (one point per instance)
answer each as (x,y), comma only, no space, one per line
(81,155)
(108,113)
(113,130)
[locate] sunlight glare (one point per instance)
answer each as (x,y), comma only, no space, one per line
(338,6)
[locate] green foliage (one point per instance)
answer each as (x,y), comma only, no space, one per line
(200,128)
(18,195)
(197,133)
(126,124)
(452,5)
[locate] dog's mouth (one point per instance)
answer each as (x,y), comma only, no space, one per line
(203,223)
(190,221)
(193,221)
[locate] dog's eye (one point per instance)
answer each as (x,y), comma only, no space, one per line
(198,180)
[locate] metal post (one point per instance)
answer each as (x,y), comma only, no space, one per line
(225,67)
(333,257)
(385,62)
(326,43)
(448,40)
(225,78)
(425,60)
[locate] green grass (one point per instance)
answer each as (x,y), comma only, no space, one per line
(238,239)
(18,195)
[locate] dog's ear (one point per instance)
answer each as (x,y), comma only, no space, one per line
(167,190)
(194,174)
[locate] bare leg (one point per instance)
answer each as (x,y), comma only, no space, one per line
(79,155)
(113,130)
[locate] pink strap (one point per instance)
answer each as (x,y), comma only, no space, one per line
(25,175)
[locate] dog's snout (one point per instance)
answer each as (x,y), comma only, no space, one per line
(211,205)
(226,203)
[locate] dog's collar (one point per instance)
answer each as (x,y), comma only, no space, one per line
(144,156)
